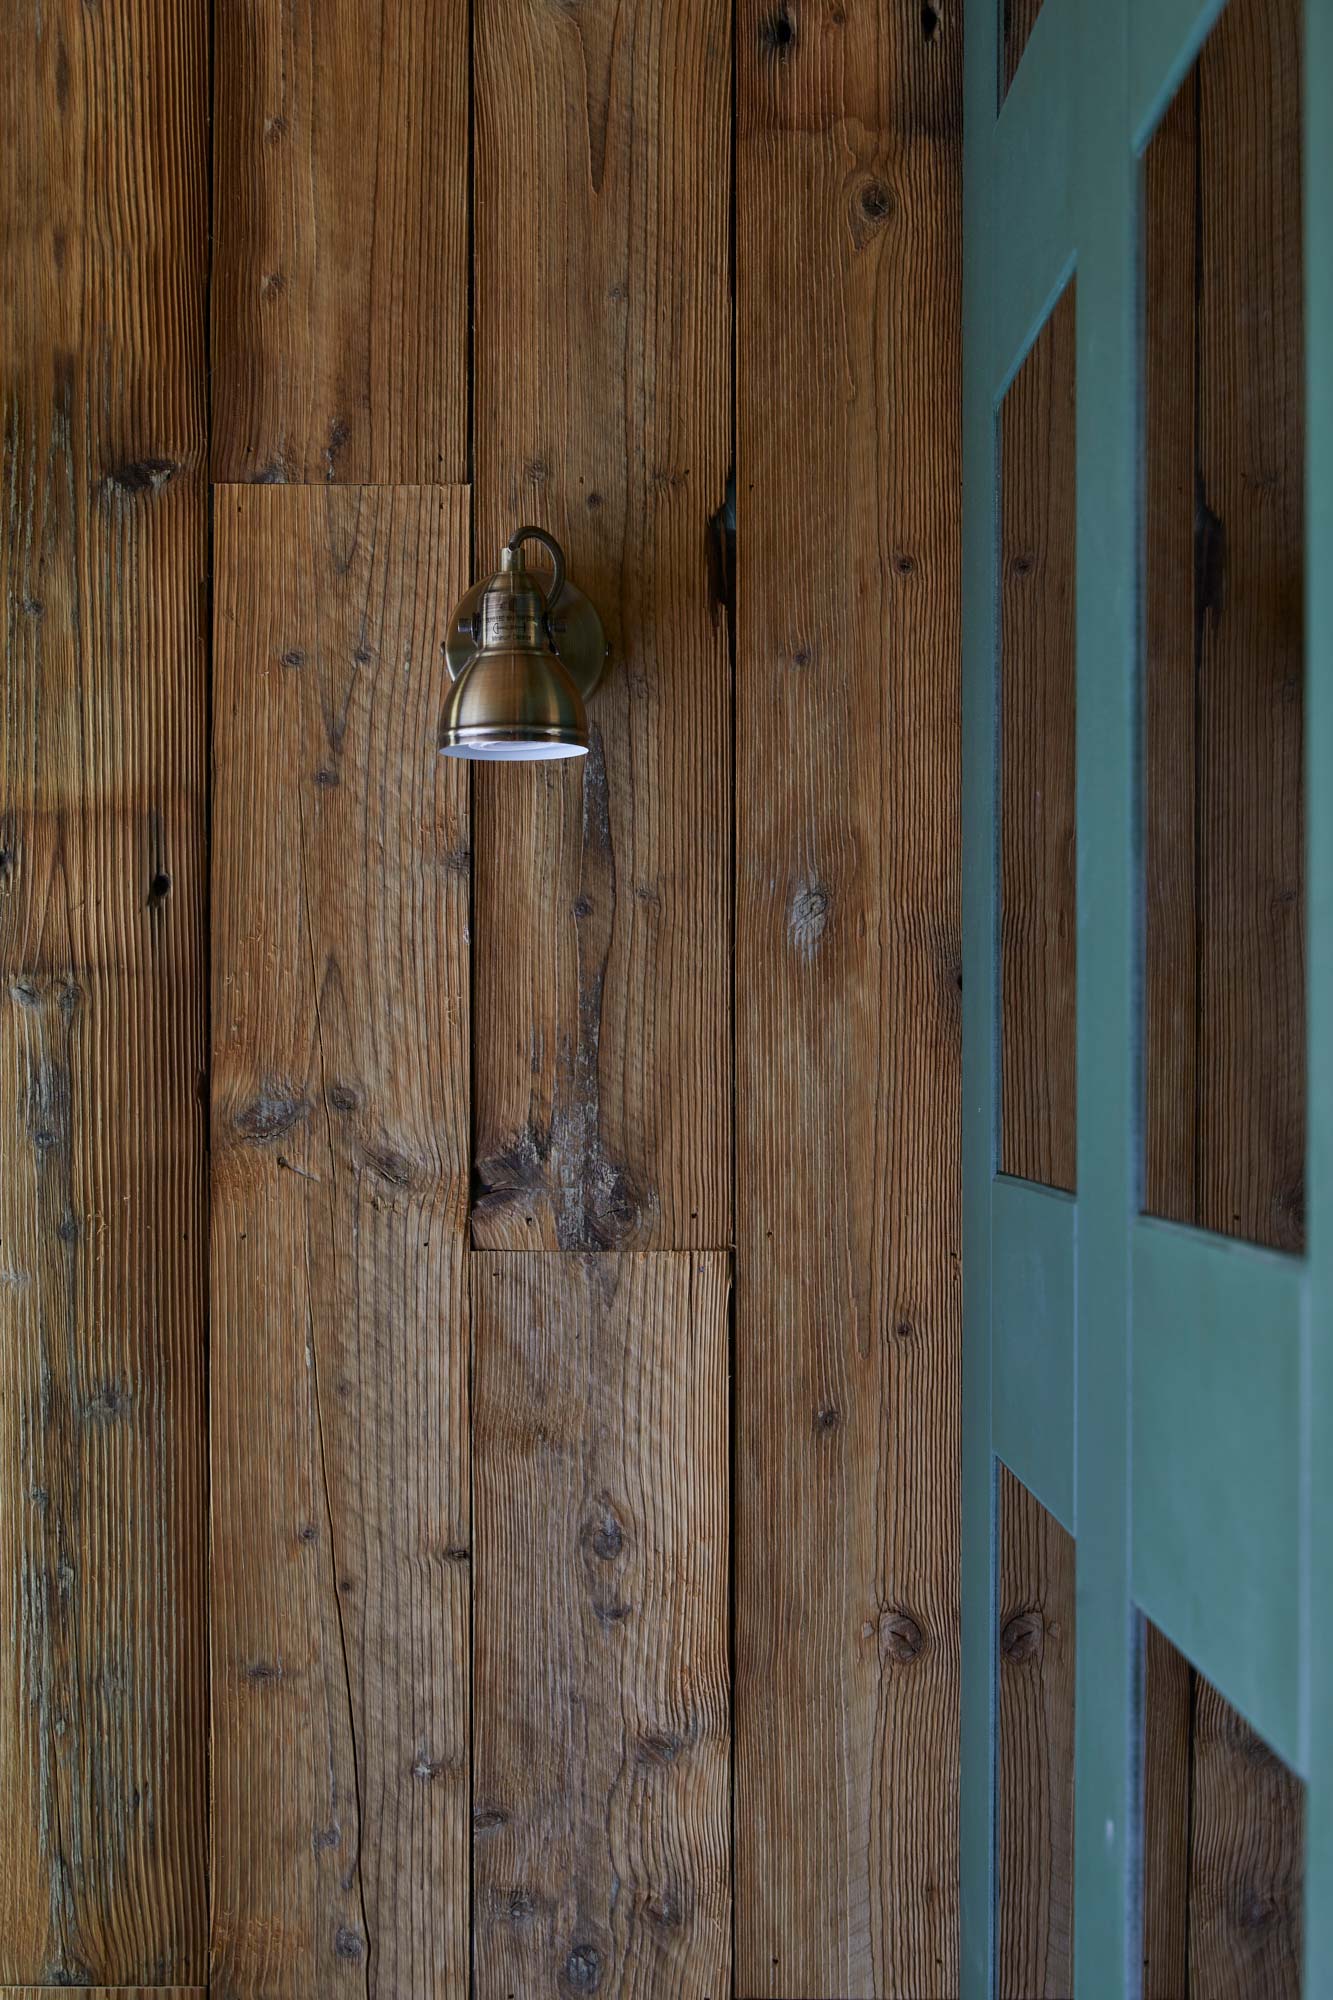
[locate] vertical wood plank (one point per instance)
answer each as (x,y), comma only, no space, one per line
(340,1356)
(1036,1749)
(1038,851)
(601,1785)
(847,999)
(103,1834)
(1020,17)
(603,407)
(340,276)
(1247,1863)
(1252,612)
(1168,1726)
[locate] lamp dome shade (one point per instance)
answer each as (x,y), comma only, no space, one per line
(512,705)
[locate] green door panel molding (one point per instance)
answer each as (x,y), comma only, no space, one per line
(1166,1394)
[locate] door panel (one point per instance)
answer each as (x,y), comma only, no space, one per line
(1165,1387)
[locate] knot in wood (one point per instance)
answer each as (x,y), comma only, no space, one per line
(583,1968)
(274,1110)
(605,1536)
(777,34)
(659,1747)
(901,1637)
(1022,1636)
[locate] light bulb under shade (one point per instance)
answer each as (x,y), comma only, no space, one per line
(512,750)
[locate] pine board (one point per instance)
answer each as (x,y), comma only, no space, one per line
(340,273)
(1035,1749)
(601,1733)
(602,376)
(103,561)
(340,1436)
(847,999)
(1038,847)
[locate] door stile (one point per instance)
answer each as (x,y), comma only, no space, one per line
(1107,1687)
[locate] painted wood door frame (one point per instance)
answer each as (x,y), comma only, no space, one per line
(1108,1357)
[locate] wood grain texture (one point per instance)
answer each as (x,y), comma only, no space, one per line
(602,892)
(1036,1749)
(1168,1726)
(1247,1864)
(115,1992)
(340,1351)
(340,276)
(1019,17)
(1226,918)
(601,1787)
(847,1000)
(1038,847)
(103,556)
(1252,648)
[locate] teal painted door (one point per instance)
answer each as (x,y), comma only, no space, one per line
(1167,1394)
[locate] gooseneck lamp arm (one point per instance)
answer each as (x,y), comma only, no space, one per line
(509,557)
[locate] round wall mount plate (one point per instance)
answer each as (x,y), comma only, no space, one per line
(576,631)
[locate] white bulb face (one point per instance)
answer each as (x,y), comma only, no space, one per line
(512,753)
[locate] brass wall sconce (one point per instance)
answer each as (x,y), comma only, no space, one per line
(524,659)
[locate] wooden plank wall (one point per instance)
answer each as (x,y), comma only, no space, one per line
(603,399)
(603,1743)
(491,1534)
(848,1003)
(340,1148)
(103,709)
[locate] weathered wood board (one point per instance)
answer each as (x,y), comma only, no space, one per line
(847,999)
(602,388)
(1036,1749)
(340,1435)
(601,1788)
(340,273)
(103,561)
(1247,1863)
(1020,18)
(1038,849)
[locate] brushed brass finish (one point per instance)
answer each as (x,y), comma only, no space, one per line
(523,657)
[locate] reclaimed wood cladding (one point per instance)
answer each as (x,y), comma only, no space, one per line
(603,392)
(340,1346)
(602,1794)
(103,566)
(425,1056)
(340,269)
(1038,849)
(848,1002)
(1035,1738)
